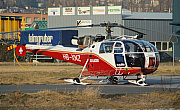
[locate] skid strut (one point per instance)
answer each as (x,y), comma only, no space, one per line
(139,81)
(78,80)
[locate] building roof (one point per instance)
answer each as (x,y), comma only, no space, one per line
(148,15)
(11,17)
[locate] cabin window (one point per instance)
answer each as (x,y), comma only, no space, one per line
(157,59)
(152,47)
(148,47)
(151,61)
(135,60)
(132,47)
(119,59)
(118,48)
(118,44)
(106,47)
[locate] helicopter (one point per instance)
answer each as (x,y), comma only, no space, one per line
(109,56)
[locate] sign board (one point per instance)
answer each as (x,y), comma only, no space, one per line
(99,10)
(84,23)
(53,11)
(83,11)
(68,10)
(114,9)
(26,25)
(48,37)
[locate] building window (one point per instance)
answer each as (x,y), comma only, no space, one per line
(164,46)
(170,46)
(43,19)
(158,45)
(28,20)
(153,43)
(36,19)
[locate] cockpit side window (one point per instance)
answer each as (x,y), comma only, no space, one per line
(153,47)
(132,47)
(106,47)
(118,44)
(147,47)
(118,48)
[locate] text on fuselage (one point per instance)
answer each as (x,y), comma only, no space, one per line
(72,57)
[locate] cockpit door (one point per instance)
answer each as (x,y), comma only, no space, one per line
(106,52)
(118,55)
(149,60)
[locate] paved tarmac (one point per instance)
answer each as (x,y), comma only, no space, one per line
(157,83)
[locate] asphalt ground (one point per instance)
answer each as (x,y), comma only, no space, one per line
(157,83)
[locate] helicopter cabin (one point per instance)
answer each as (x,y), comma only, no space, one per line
(128,53)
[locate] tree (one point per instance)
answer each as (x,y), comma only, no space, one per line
(142,6)
(161,5)
(57,3)
(49,4)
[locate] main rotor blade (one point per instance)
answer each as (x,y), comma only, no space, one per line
(165,33)
(46,29)
(93,25)
(127,28)
(115,25)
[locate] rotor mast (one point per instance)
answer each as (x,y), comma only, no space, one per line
(109,25)
(108,28)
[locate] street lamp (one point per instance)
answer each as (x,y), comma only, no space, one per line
(14,38)
(14,26)
(0,27)
(8,30)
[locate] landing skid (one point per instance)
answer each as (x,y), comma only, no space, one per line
(139,81)
(111,80)
(76,81)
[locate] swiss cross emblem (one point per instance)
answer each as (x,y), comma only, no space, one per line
(21,50)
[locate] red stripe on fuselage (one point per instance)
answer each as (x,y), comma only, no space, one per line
(96,65)
(77,58)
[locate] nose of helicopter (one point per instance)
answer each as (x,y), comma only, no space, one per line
(139,53)
(151,63)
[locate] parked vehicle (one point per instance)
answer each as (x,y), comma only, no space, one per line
(165,57)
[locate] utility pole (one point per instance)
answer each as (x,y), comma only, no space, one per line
(41,14)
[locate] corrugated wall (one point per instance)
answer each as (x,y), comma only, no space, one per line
(71,20)
(176,19)
(156,30)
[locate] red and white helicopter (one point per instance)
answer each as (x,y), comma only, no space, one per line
(109,56)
